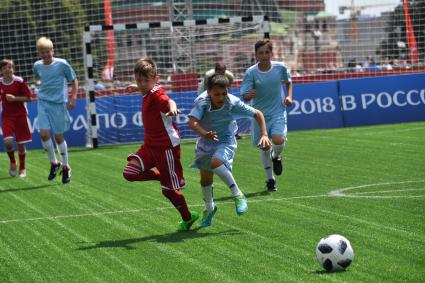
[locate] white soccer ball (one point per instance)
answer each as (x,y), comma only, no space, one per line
(334,253)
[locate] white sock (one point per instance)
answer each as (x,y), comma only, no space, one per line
(207,191)
(267,164)
(277,149)
(48,145)
(227,177)
(63,149)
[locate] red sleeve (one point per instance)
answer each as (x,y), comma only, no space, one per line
(25,90)
(162,100)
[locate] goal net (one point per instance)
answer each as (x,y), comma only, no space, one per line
(183,52)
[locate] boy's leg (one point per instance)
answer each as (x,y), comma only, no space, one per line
(278,146)
(227,177)
(8,143)
(22,154)
(208,195)
(278,132)
(23,136)
(207,189)
(47,143)
(171,172)
(139,167)
(63,150)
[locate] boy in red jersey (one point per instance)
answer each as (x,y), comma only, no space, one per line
(14,93)
(161,147)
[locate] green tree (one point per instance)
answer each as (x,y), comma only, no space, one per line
(63,21)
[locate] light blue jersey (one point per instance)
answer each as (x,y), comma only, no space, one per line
(269,92)
(269,97)
(54,79)
(222,121)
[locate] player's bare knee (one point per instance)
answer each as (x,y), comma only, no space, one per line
(278,140)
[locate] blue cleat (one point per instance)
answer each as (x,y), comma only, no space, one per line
(207,217)
(240,204)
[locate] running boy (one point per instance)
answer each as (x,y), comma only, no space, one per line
(161,147)
(14,93)
(213,118)
(53,105)
(262,85)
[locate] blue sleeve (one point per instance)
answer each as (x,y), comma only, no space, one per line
(286,76)
(69,72)
(247,83)
(198,109)
(35,70)
(240,109)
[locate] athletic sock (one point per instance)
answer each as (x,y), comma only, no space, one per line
(22,155)
(11,155)
(63,149)
(227,177)
(277,149)
(48,146)
(267,163)
(179,202)
(208,194)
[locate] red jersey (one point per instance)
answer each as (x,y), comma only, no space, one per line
(160,130)
(17,87)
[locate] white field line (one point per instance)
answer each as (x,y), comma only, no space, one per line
(335,193)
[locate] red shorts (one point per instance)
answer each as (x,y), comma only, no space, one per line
(16,126)
(167,161)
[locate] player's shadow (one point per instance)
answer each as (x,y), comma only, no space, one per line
(165,238)
(26,189)
(248,195)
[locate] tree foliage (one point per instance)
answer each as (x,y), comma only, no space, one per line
(63,21)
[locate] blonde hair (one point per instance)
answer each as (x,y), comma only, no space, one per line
(44,42)
(145,67)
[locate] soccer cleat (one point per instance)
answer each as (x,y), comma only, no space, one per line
(240,204)
(277,165)
(54,169)
(12,169)
(66,174)
(271,185)
(207,217)
(185,225)
(22,173)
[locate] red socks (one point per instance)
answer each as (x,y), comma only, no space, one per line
(179,202)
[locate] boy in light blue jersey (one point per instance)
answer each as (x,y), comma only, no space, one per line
(262,86)
(53,105)
(213,118)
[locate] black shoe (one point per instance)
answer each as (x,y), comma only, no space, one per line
(238,136)
(66,175)
(271,185)
(54,168)
(277,165)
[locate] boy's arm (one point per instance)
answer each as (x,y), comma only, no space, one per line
(247,88)
(264,142)
(74,93)
(195,126)
(13,98)
(288,98)
(132,88)
(172,108)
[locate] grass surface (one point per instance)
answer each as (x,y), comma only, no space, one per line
(100,228)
